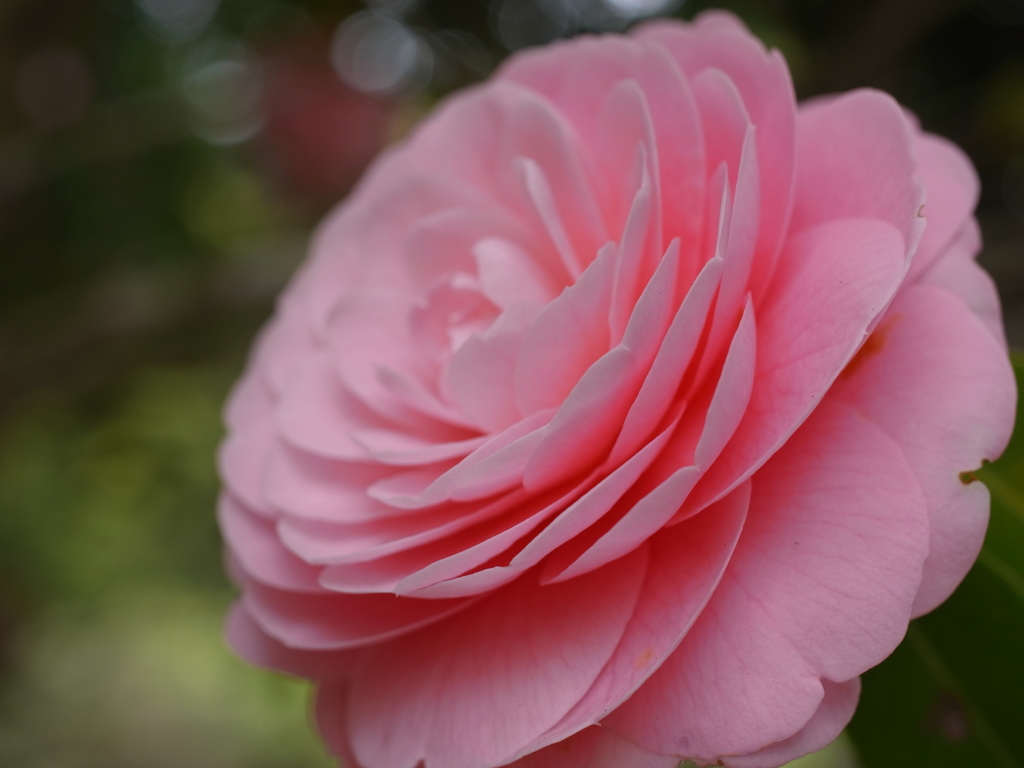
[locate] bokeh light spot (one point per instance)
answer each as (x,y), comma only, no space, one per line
(376,53)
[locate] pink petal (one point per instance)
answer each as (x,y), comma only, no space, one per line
(863,138)
(500,472)
(250,400)
(539,134)
(370,330)
(579,75)
(529,127)
(451,310)
(575,76)
(568,336)
(957,272)
(473,690)
(311,487)
(444,244)
(725,119)
(379,359)
(364,244)
(419,397)
(587,503)
(721,42)
(514,124)
(584,428)
(735,245)
(820,586)
(509,276)
(675,591)
(242,459)
(378,576)
(951,188)
(832,283)
(657,508)
(496,466)
(833,714)
(317,414)
(402,450)
(626,154)
(657,393)
(634,262)
(932,356)
(732,392)
(416,570)
(253,541)
(545,205)
(586,425)
(281,346)
(327,543)
(480,379)
(577,751)
(446,571)
(330,712)
(336,621)
(595,747)
(257,647)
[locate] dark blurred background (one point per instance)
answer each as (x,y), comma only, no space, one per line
(162,163)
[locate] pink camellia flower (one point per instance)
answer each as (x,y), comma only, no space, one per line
(619,417)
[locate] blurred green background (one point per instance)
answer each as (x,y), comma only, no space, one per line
(162,163)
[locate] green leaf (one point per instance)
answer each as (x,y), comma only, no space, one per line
(953,693)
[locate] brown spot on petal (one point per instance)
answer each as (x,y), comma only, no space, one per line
(873,344)
(645,658)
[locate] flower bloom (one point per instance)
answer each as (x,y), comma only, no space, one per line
(619,417)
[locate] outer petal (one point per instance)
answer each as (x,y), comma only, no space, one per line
(332,621)
(938,383)
(242,459)
(595,747)
(473,691)
(857,160)
(832,716)
(318,414)
(952,192)
(257,647)
(331,713)
(956,271)
(253,541)
(821,586)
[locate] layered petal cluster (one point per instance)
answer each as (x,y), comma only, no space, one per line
(618,417)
